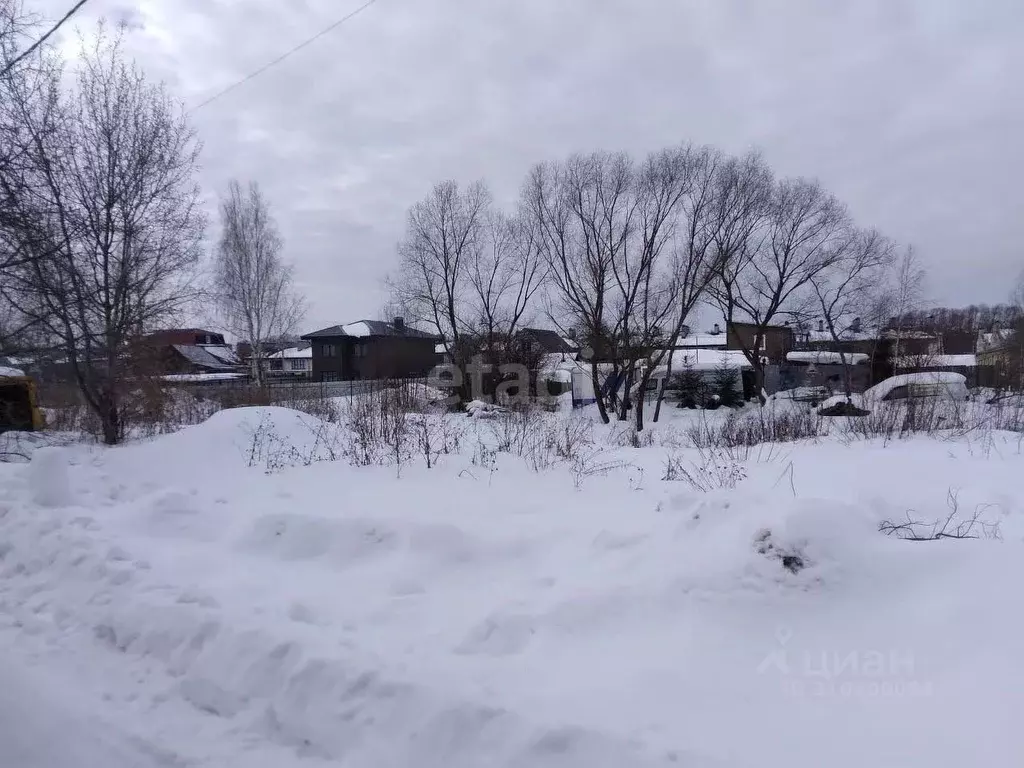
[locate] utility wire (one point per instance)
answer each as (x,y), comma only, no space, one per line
(285,55)
(43,39)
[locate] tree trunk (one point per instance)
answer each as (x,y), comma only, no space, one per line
(598,397)
(627,386)
(639,408)
(661,389)
(110,419)
(759,383)
(847,377)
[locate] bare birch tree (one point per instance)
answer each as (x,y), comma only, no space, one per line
(905,295)
(105,208)
(253,285)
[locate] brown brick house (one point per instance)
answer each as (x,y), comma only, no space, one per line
(190,351)
(777,342)
(371,349)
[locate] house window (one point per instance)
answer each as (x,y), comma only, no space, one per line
(329,350)
(329,376)
(359,350)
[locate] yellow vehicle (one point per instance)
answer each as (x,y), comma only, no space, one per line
(19,407)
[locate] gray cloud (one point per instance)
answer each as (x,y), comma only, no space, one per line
(910,110)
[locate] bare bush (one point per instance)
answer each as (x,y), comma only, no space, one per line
(766,425)
(435,435)
(274,452)
(590,464)
(570,436)
(716,468)
(914,416)
(379,432)
(627,436)
(954,526)
(513,429)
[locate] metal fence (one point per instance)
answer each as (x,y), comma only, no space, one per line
(277,390)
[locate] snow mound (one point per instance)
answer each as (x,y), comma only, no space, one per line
(266,437)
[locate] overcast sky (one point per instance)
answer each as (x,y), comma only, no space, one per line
(910,110)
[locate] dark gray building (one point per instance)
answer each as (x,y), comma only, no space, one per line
(371,349)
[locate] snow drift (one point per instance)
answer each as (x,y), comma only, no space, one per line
(484,614)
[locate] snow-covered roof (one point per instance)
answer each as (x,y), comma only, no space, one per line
(937,361)
(703,340)
(559,366)
(867,334)
(823,357)
(293,353)
(8,371)
(361,329)
(704,360)
(203,357)
(222,352)
(994,339)
(441,349)
(200,377)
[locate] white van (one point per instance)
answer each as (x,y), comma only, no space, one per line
(943,385)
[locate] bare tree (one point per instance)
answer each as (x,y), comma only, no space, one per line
(253,285)
(504,275)
(795,235)
(104,209)
(583,210)
(697,261)
(852,283)
(1017,297)
(654,288)
(503,279)
(905,296)
(444,234)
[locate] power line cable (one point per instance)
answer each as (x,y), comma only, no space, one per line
(285,55)
(44,38)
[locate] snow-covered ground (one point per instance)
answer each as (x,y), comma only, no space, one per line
(174,602)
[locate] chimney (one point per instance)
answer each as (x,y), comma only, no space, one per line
(716,330)
(400,324)
(855,325)
(821,326)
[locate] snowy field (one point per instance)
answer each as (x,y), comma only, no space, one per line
(240,594)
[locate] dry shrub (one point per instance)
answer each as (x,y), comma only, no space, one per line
(273,452)
(765,425)
(379,432)
(542,439)
(922,415)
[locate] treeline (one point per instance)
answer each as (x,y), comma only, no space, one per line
(623,250)
(975,318)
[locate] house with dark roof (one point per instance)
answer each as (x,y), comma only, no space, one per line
(371,349)
(191,351)
(546,341)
